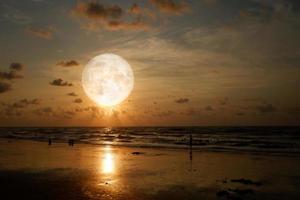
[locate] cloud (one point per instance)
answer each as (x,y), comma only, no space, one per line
(78,100)
(60,82)
(275,46)
(45,111)
(12,74)
(209,108)
(72,94)
(44,33)
(97,11)
(95,111)
(135,9)
(4,87)
(170,7)
(109,17)
(223,101)
(14,15)
(17,108)
(182,100)
(266,108)
(240,113)
(293,110)
(191,112)
(164,113)
(8,110)
(70,63)
(23,103)
(16,66)
(122,25)
(8,76)
(70,113)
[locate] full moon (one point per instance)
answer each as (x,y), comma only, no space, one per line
(107,79)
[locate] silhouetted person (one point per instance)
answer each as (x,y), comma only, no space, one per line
(191,147)
(49,141)
(71,142)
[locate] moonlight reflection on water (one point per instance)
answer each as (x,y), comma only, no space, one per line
(108,163)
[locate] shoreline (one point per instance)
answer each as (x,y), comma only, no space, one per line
(91,172)
(195,148)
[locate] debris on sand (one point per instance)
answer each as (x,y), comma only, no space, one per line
(137,153)
(235,194)
(246,182)
(242,191)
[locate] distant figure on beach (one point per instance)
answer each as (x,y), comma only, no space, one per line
(191,147)
(191,141)
(71,142)
(49,141)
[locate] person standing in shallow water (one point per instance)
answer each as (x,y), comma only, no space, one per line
(49,141)
(191,140)
(191,147)
(71,142)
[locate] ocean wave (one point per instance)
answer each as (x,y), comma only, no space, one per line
(258,139)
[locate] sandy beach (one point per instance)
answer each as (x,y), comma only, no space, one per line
(35,170)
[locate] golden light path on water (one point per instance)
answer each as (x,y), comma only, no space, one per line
(108,162)
(107,170)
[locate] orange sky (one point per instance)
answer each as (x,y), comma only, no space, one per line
(195,62)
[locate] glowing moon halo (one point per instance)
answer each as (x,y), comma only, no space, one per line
(107,79)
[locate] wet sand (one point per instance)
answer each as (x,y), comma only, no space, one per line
(35,170)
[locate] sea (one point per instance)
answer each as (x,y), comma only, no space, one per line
(270,139)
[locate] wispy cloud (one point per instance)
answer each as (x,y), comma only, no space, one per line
(98,11)
(266,108)
(23,103)
(171,7)
(14,15)
(122,25)
(44,33)
(109,17)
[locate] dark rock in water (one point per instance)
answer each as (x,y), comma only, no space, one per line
(242,191)
(246,182)
(224,181)
(234,194)
(137,153)
(222,193)
(234,197)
